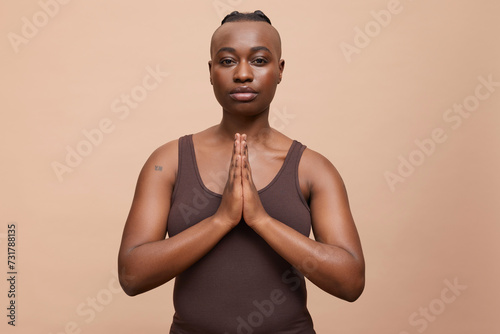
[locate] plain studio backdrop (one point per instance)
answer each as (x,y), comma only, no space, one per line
(402,96)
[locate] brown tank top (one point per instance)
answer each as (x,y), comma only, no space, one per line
(242,285)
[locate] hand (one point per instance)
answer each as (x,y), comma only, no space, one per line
(231,207)
(253,211)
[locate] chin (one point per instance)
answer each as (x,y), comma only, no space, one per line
(245,109)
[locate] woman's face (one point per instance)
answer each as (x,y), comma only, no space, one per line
(246,66)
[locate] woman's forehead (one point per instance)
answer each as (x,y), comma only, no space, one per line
(246,34)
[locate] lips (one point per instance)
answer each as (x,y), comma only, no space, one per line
(243,94)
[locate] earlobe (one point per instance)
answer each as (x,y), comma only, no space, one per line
(281,68)
(210,71)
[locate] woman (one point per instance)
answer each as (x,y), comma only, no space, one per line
(238,246)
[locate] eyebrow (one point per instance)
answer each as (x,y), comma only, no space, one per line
(254,49)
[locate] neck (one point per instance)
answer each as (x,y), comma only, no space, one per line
(255,127)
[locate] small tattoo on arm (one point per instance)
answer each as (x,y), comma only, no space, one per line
(159,168)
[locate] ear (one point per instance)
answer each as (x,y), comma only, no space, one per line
(210,71)
(281,67)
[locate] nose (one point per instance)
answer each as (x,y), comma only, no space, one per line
(243,72)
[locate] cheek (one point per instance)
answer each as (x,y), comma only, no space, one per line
(270,81)
(221,78)
(270,76)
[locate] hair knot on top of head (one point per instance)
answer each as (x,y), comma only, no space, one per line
(236,16)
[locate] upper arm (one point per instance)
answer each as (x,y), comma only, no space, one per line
(332,221)
(147,219)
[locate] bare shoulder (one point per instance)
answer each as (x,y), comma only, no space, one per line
(166,152)
(318,172)
(163,162)
(332,219)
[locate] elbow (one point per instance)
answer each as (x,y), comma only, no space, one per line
(128,285)
(352,286)
(355,291)
(349,290)
(128,279)
(129,290)
(133,281)
(356,287)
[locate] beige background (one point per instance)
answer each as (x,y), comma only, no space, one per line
(362,111)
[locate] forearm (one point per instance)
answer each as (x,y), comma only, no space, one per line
(152,264)
(332,268)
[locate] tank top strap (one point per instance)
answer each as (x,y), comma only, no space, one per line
(185,156)
(289,178)
(296,154)
(186,164)
(292,160)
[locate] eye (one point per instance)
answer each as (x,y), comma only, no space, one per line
(226,61)
(260,61)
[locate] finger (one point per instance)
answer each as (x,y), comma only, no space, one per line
(239,140)
(236,143)
(243,148)
(246,161)
(237,169)
(246,173)
(235,161)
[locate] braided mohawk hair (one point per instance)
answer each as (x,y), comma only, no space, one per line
(255,16)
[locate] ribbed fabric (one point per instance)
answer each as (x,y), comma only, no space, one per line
(242,285)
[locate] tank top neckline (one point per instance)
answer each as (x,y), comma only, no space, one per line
(205,188)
